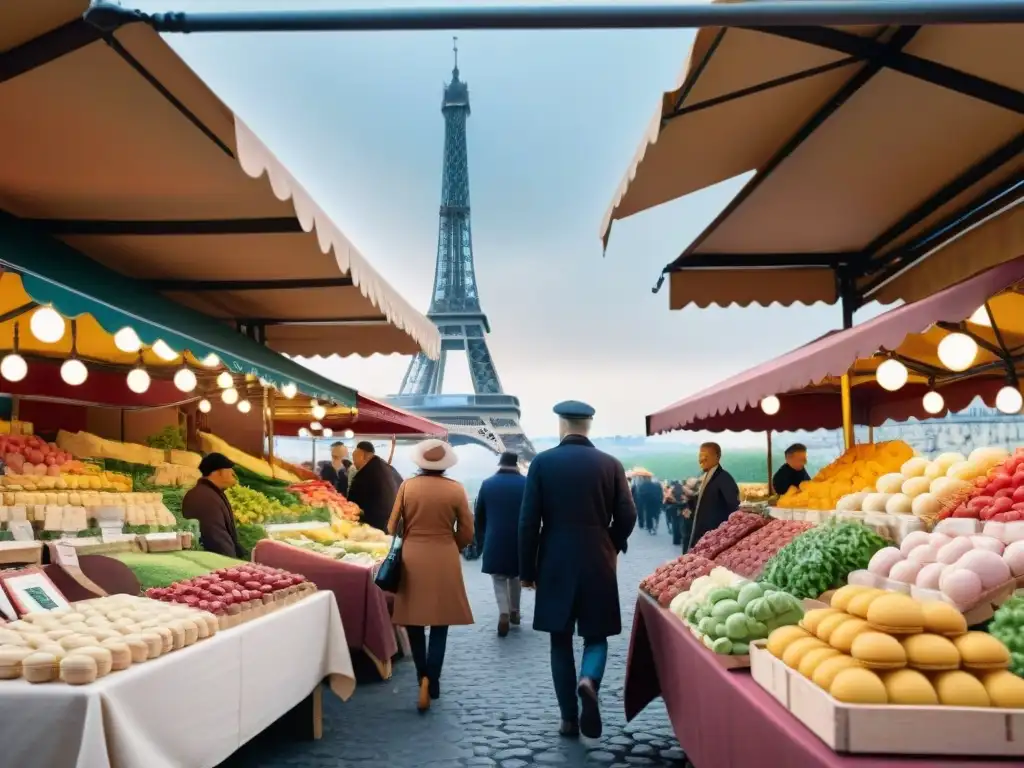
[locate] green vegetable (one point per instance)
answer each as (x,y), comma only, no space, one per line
(722,593)
(706,626)
(168,439)
(725,608)
(759,608)
(749,592)
(719,630)
(722,645)
(755,629)
(736,627)
(740,649)
(248,535)
(1007,626)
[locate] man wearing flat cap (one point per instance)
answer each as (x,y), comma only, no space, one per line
(576,517)
(208,504)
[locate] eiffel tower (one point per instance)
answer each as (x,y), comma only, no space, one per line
(487,417)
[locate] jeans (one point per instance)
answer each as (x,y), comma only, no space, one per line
(685,528)
(507,591)
(563,669)
(428,662)
(653,518)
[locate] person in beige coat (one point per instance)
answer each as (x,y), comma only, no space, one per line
(431,512)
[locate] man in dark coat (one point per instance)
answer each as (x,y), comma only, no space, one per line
(718,497)
(577,516)
(648,500)
(207,503)
(373,488)
(497,532)
(335,471)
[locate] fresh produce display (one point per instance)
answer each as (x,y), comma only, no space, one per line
(857,470)
(73,510)
(702,587)
(300,472)
(239,592)
(213,444)
(170,438)
(162,569)
(926,489)
(319,493)
(748,557)
(93,638)
(730,618)
(1007,626)
(84,445)
(671,578)
(32,455)
(353,552)
(60,481)
(820,559)
(998,492)
(960,568)
(268,486)
(251,506)
(729,533)
(877,647)
(249,535)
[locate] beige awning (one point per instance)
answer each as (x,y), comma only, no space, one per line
(872,148)
(118,148)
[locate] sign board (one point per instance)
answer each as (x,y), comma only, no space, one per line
(67,555)
(21,530)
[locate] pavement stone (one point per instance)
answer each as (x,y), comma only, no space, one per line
(497,708)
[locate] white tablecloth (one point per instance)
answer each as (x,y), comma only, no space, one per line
(190,709)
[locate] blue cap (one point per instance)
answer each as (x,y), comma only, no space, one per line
(574,409)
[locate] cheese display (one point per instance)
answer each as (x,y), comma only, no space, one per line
(236,594)
(88,446)
(856,471)
(94,638)
(902,655)
(213,444)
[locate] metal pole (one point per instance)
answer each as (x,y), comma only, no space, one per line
(768,436)
(847,296)
(770,13)
(871,434)
(394,441)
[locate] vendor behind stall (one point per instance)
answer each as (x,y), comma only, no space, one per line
(794,471)
(374,486)
(207,503)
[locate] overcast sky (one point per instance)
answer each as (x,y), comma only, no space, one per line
(556,118)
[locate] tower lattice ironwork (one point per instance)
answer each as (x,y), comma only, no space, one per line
(488,415)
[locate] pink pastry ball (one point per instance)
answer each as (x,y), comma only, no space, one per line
(987,542)
(962,586)
(924,554)
(883,560)
(906,571)
(1013,556)
(929,575)
(913,540)
(954,550)
(990,567)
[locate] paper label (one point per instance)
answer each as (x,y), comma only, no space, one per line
(109,533)
(161,536)
(21,530)
(67,555)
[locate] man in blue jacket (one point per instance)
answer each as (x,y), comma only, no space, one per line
(497,534)
(577,516)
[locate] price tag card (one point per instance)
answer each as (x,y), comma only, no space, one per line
(21,530)
(66,535)
(67,555)
(166,536)
(109,533)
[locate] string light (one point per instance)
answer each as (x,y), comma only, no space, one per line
(244,406)
(933,402)
(13,367)
(1009,400)
(73,372)
(162,350)
(957,351)
(211,361)
(349,433)
(289,390)
(185,379)
(303,432)
(47,325)
(229,396)
(224,380)
(138,380)
(204,406)
(771,405)
(319,412)
(328,432)
(891,375)
(127,340)
(316,426)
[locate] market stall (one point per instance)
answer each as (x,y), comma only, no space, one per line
(886,162)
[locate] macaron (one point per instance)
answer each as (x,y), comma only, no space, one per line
(842,636)
(878,651)
(910,687)
(941,618)
(795,651)
(78,669)
(960,689)
(40,667)
(780,639)
(859,604)
(813,658)
(138,647)
(842,596)
(1005,689)
(120,654)
(981,651)
(933,653)
(11,658)
(827,670)
(813,617)
(829,624)
(858,686)
(896,614)
(103,657)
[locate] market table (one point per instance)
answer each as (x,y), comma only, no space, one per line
(192,707)
(363,605)
(723,718)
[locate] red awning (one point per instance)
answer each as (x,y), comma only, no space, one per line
(373,418)
(805,379)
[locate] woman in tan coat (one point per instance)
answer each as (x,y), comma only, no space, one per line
(432,512)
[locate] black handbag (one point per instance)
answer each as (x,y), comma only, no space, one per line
(389,574)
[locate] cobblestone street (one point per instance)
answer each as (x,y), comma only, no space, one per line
(498,706)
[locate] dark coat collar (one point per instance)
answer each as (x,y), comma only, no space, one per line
(576,440)
(508,471)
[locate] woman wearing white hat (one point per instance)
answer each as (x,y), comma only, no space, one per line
(432,512)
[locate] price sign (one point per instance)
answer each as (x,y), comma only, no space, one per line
(67,555)
(109,533)
(166,536)
(21,530)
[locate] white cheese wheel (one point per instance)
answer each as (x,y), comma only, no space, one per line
(915,486)
(898,504)
(890,483)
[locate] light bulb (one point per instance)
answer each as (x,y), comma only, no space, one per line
(349,433)
(229,396)
(127,340)
(13,367)
(264,382)
(204,405)
(74,372)
(314,403)
(185,380)
(47,325)
(316,426)
(933,402)
(980,317)
(957,351)
(211,361)
(770,405)
(289,390)
(891,375)
(162,350)
(224,380)
(244,406)
(138,380)
(319,412)
(1009,400)
(328,432)
(303,432)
